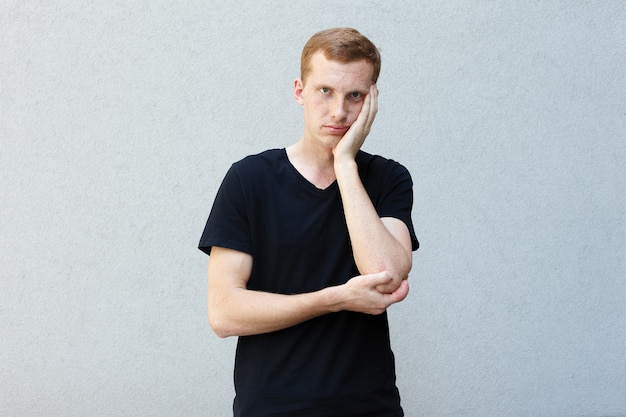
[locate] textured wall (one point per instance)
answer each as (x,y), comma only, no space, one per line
(119,119)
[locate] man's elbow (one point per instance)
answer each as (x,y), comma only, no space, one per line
(401,266)
(407,266)
(219,325)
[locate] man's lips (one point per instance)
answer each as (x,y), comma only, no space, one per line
(337,129)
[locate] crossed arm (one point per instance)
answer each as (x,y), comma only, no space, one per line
(235,310)
(382,251)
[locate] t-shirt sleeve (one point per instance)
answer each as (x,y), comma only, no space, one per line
(228,225)
(396,197)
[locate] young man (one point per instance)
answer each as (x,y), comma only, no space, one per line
(308,247)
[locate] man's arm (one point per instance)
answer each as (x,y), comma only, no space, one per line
(233,310)
(378,244)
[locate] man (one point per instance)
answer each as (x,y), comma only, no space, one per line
(309,246)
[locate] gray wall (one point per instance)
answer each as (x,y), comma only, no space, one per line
(119,119)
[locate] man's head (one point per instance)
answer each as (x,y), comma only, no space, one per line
(339,69)
(342,45)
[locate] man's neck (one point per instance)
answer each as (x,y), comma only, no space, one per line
(314,164)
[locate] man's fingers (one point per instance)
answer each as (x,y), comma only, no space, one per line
(373,103)
(369,108)
(380,278)
(402,291)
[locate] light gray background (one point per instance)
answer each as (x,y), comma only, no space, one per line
(118,121)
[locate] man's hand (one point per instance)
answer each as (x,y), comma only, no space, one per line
(354,138)
(361,293)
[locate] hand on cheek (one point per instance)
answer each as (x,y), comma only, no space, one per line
(354,138)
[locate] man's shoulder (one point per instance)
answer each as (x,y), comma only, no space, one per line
(259,161)
(267,155)
(367,162)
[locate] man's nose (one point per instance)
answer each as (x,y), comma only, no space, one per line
(339,109)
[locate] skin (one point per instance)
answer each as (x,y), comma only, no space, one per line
(340,103)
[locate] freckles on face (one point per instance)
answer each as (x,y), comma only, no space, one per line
(332,109)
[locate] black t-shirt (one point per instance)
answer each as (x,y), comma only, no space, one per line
(339,364)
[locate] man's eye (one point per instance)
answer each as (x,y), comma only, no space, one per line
(355,95)
(324,90)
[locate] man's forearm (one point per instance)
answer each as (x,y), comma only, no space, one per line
(375,248)
(245,312)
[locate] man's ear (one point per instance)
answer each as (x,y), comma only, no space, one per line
(298,86)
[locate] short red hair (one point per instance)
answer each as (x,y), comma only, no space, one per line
(342,45)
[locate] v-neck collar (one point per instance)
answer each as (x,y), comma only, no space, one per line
(303,180)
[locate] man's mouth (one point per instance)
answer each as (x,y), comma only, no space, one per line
(337,129)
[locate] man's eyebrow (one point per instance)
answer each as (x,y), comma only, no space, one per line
(322,85)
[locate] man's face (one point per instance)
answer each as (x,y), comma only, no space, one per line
(332,96)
